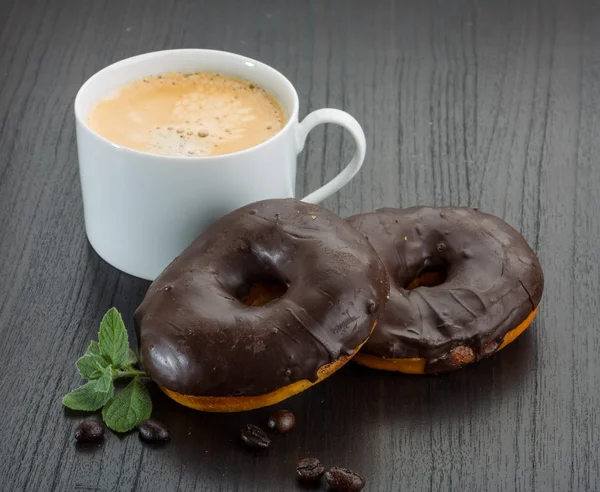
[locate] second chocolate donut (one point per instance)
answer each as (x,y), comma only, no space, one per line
(464,284)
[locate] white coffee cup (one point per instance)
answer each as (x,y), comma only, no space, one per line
(142,210)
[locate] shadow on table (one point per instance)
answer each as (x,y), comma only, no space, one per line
(353,404)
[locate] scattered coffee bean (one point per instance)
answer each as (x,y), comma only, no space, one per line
(153,431)
(203,134)
(254,437)
(282,421)
(309,469)
(89,430)
(344,480)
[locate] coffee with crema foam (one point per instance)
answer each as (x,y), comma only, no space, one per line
(197,114)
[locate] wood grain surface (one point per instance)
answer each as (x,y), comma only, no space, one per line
(493,104)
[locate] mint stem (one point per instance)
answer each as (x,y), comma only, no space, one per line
(130,374)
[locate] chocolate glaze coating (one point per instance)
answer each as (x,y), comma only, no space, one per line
(197,338)
(494,281)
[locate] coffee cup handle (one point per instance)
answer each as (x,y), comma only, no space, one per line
(346,121)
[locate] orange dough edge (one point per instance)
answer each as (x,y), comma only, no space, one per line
(243,403)
(417,365)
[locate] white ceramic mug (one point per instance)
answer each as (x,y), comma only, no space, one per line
(142,210)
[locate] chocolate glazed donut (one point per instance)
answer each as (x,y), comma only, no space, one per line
(270,300)
(464,284)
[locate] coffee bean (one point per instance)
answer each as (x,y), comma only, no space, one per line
(309,469)
(89,430)
(282,421)
(153,431)
(254,437)
(344,480)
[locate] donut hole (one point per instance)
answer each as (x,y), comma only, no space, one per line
(259,292)
(430,276)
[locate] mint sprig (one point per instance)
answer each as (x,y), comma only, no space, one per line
(106,360)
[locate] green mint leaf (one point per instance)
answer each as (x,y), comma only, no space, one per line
(132,359)
(126,410)
(93,349)
(92,395)
(112,339)
(91,366)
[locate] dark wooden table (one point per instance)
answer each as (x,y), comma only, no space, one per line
(488,103)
